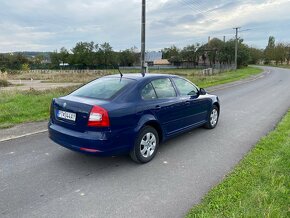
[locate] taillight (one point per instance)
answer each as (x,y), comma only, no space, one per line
(99,117)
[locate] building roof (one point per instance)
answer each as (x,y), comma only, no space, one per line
(161,62)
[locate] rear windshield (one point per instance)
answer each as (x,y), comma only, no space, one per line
(103,88)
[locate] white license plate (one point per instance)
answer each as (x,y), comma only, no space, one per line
(66,115)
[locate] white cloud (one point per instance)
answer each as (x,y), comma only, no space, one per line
(50,24)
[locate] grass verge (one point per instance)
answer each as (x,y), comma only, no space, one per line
(222,78)
(259,186)
(27,106)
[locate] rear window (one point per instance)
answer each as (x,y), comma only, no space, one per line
(103,88)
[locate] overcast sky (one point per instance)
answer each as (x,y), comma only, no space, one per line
(47,25)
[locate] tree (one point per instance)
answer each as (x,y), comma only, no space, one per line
(55,59)
(38,59)
(64,55)
(288,53)
(107,56)
(214,49)
(269,51)
(172,54)
(189,54)
(280,53)
(243,54)
(4,62)
(255,55)
(83,55)
(25,67)
(16,61)
(128,57)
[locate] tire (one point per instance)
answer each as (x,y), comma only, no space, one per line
(146,145)
(213,118)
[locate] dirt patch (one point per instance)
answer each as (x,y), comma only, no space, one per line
(24,85)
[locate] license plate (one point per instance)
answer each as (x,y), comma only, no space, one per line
(66,115)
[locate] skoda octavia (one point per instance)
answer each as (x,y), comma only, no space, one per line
(130,114)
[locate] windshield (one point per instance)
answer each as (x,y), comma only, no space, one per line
(103,88)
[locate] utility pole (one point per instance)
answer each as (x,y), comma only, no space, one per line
(236,47)
(143,25)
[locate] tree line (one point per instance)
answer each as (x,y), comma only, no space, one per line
(89,55)
(217,51)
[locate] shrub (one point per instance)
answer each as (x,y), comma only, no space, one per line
(4,83)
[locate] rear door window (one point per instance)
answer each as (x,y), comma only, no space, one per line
(103,88)
(164,88)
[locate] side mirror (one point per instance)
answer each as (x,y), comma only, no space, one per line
(202,91)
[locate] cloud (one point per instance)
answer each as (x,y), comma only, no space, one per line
(47,25)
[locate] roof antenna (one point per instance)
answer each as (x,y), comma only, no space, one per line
(114,67)
(121,74)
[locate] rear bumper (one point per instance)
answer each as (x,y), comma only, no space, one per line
(98,143)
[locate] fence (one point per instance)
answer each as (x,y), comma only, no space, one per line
(70,71)
(218,68)
(202,69)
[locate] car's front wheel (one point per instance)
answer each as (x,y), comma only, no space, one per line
(146,145)
(212,118)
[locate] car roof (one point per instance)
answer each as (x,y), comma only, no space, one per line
(139,76)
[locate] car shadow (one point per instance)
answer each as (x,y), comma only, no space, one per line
(78,162)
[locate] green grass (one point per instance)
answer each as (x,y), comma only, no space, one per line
(259,186)
(26,106)
(222,78)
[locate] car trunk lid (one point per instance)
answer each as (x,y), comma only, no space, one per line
(73,112)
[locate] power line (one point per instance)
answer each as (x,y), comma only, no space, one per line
(199,9)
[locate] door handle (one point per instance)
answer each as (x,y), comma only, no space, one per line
(187,102)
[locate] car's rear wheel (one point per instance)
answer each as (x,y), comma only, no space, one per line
(146,145)
(212,118)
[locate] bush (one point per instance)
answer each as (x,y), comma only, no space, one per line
(4,83)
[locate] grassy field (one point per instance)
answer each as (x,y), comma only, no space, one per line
(192,74)
(259,186)
(86,76)
(59,76)
(19,107)
(222,78)
(27,106)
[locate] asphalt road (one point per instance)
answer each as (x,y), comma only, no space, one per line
(41,179)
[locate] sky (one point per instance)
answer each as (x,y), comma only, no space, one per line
(48,25)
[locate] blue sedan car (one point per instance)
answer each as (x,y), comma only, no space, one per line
(130,114)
